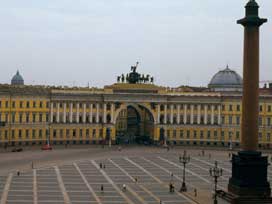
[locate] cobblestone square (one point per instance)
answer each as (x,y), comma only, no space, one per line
(80,181)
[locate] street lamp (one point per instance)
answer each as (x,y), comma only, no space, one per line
(215,172)
(184,159)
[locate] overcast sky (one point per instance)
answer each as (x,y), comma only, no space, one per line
(179,42)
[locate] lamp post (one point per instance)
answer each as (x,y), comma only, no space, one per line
(184,159)
(215,172)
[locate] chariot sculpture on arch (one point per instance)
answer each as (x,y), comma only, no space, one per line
(134,77)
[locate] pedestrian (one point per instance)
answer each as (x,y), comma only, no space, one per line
(203,153)
(160,201)
(124,187)
(195,191)
(229,155)
(102,188)
(18,173)
(104,166)
(100,164)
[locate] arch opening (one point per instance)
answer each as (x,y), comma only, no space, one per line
(134,125)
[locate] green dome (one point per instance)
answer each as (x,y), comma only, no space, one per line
(17,79)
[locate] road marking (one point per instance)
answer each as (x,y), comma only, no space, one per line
(87,184)
(62,187)
(166,170)
(6,189)
(157,179)
(150,193)
(111,182)
(188,170)
(133,192)
(211,164)
(35,196)
(193,173)
(144,170)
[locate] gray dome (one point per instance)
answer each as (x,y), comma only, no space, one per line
(225,79)
(17,79)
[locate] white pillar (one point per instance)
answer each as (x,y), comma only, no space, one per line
(191,114)
(97,112)
(91,113)
(165,114)
(212,119)
(58,112)
(171,113)
(71,113)
(185,113)
(112,112)
(77,112)
(51,112)
(205,114)
(84,113)
(178,117)
(104,113)
(219,114)
(198,114)
(64,113)
(158,113)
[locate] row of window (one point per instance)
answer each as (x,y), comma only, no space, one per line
(25,104)
(61,133)
(229,107)
(25,117)
(222,135)
(202,134)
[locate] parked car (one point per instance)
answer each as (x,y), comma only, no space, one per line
(17,150)
(47,147)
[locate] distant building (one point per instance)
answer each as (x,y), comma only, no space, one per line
(132,110)
(17,79)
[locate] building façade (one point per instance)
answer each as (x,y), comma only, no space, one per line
(132,110)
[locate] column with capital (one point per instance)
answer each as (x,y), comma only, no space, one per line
(185,114)
(219,114)
(71,113)
(249,168)
(191,114)
(84,113)
(64,113)
(58,112)
(91,113)
(178,114)
(97,112)
(171,113)
(77,112)
(104,113)
(165,114)
(198,114)
(51,112)
(212,119)
(158,113)
(112,113)
(205,114)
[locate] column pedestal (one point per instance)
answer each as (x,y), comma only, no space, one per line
(249,175)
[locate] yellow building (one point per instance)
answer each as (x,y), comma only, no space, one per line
(131,110)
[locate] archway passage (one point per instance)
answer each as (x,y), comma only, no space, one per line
(134,125)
